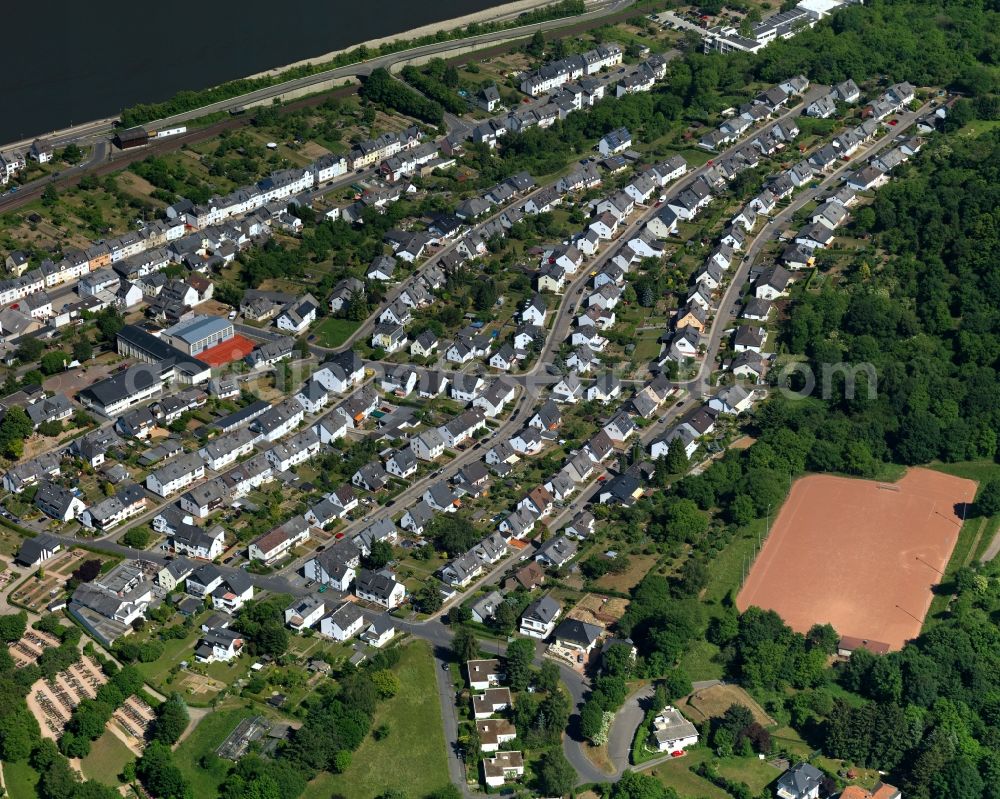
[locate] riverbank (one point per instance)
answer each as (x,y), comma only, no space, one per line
(360,60)
(501,13)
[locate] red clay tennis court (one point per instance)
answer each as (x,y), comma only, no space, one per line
(861,555)
(233,349)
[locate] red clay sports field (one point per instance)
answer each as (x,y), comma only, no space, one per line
(233,349)
(861,555)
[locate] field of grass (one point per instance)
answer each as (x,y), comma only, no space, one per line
(20,779)
(108,756)
(10,542)
(639,566)
(174,651)
(726,568)
(204,740)
(647,345)
(980,471)
(715,701)
(333,332)
(416,735)
(755,773)
(978,127)
(788,739)
(677,774)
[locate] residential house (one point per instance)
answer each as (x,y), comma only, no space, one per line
(428,445)
(176,475)
(334,567)
(389,337)
(219,645)
(749,338)
(580,526)
(672,732)
(371,477)
(442,498)
(495,732)
(801,781)
(772,283)
(128,500)
(492,700)
(539,618)
(232,593)
(379,587)
(190,540)
(569,390)
(424,344)
(279,542)
(617,141)
(577,635)
(344,623)
(58,502)
(620,427)
(732,401)
(501,767)
(556,552)
(416,518)
(622,489)
(304,613)
(461,571)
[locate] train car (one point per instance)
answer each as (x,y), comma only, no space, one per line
(162,134)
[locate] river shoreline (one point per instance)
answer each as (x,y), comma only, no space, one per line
(92,94)
(496,14)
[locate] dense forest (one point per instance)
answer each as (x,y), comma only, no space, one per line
(922,305)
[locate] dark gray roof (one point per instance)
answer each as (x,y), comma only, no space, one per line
(577,632)
(543,610)
(800,780)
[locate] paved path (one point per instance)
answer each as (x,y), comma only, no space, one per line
(623,728)
(992,549)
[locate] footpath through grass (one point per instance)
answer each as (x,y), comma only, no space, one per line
(412,757)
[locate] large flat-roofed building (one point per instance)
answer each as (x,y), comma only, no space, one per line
(198,333)
(139,383)
(134,342)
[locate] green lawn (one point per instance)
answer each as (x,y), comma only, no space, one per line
(174,651)
(647,345)
(333,332)
(978,127)
(677,774)
(980,471)
(755,773)
(20,778)
(108,756)
(416,736)
(204,740)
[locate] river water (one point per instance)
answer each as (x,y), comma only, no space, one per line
(80,61)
